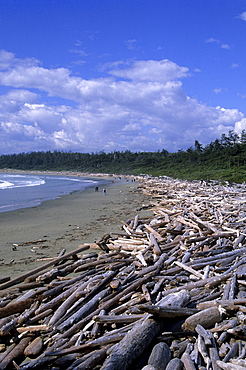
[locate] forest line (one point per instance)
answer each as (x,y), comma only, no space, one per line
(223,159)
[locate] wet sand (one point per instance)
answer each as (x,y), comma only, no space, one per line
(31,234)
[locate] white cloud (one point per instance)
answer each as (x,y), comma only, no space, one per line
(242,16)
(225,46)
(218,90)
(133,127)
(152,70)
(139,106)
(222,45)
(212,39)
(82,53)
(8,60)
(131,44)
(12,101)
(240,125)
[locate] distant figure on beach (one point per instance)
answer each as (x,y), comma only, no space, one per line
(104,191)
(96,188)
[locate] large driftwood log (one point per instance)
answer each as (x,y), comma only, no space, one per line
(34,348)
(15,307)
(159,311)
(142,334)
(160,356)
(175,364)
(206,318)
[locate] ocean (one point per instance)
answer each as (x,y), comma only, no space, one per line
(27,190)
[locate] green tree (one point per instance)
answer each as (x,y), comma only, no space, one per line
(198,146)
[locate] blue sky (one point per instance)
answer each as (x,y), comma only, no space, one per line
(139,75)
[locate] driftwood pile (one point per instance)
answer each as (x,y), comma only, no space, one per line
(167,292)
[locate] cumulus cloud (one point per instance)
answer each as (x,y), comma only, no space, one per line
(14,99)
(8,60)
(140,105)
(240,126)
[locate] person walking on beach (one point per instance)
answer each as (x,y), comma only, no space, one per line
(104,191)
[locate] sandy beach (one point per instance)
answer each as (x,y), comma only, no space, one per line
(32,234)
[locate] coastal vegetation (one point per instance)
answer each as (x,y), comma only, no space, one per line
(223,159)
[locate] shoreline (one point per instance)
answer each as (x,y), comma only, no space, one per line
(189,252)
(30,235)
